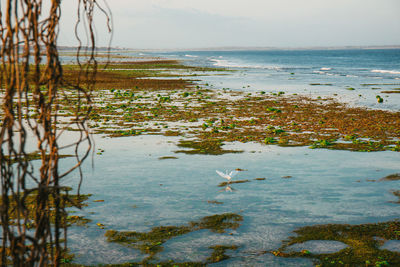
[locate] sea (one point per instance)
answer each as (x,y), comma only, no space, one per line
(353,76)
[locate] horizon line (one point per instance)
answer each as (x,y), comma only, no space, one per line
(238,48)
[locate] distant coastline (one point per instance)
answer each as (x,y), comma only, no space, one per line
(245,48)
(254,48)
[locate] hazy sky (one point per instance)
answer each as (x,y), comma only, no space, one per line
(218,23)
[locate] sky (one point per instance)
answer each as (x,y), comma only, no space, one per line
(180,24)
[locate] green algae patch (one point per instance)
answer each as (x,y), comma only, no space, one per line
(151,242)
(78,220)
(124,75)
(172,133)
(233,182)
(163,64)
(218,223)
(326,84)
(391,177)
(363,243)
(205,147)
(32,156)
(30,204)
(397,194)
(167,157)
(148,242)
(215,202)
(390,92)
(158,264)
(218,253)
(322,144)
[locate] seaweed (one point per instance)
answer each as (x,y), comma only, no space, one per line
(30,206)
(172,133)
(167,157)
(391,177)
(32,156)
(222,184)
(218,253)
(397,194)
(363,242)
(218,223)
(151,242)
(391,92)
(215,202)
(207,147)
(158,264)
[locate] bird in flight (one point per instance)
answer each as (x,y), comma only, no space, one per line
(226,175)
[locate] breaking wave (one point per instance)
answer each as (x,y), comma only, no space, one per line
(229,64)
(386,71)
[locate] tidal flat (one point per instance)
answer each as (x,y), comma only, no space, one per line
(161,109)
(127,104)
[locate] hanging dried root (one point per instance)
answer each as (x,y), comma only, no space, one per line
(31,83)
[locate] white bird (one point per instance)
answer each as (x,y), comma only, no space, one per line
(226,175)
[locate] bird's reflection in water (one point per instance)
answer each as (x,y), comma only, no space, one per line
(228,189)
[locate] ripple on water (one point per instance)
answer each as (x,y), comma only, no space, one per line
(392,245)
(92,249)
(193,246)
(318,246)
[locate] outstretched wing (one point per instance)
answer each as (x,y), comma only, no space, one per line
(223,175)
(233,173)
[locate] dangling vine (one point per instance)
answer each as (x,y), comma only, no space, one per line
(33,198)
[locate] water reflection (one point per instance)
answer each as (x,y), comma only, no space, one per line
(228,189)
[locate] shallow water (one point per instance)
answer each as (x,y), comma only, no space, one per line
(140,192)
(392,245)
(318,246)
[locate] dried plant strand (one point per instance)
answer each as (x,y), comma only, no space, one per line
(31,86)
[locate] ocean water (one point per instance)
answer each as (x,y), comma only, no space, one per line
(353,76)
(140,191)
